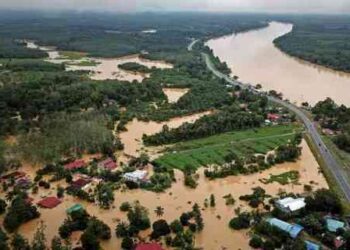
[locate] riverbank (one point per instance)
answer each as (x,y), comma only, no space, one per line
(253,57)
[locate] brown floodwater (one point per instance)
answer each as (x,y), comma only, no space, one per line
(174,94)
(253,57)
(216,234)
(104,68)
(132,138)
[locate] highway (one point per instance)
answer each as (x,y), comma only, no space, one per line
(333,166)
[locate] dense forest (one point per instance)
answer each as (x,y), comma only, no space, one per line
(323,40)
(111,35)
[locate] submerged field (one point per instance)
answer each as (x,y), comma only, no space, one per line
(212,150)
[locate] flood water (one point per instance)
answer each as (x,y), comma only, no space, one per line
(216,234)
(132,138)
(253,57)
(102,68)
(174,94)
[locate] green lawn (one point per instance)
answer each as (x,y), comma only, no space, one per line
(213,149)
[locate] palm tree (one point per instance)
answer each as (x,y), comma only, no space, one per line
(159,211)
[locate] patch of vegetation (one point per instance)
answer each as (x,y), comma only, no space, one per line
(215,149)
(284,178)
(66,135)
(72,55)
(205,126)
(18,213)
(134,67)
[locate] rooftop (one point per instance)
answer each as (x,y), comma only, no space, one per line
(74,208)
(334,225)
(108,164)
(311,246)
(75,165)
(49,202)
(291,204)
(292,230)
(137,174)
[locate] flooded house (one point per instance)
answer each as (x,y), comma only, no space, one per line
(290,204)
(292,229)
(136,176)
(75,165)
(108,164)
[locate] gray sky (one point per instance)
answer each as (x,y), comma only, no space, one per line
(302,6)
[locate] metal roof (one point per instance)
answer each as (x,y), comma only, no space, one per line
(292,230)
(334,225)
(311,246)
(291,203)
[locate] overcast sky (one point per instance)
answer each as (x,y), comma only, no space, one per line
(301,6)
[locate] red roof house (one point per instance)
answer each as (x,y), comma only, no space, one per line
(107,164)
(81,182)
(49,202)
(273,117)
(75,165)
(148,246)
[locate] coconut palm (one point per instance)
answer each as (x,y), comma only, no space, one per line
(159,211)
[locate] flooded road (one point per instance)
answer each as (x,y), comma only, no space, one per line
(253,57)
(179,199)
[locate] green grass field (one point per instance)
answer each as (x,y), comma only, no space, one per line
(213,149)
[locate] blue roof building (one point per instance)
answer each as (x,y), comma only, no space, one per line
(292,230)
(334,225)
(311,246)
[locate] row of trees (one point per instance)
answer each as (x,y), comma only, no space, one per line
(219,122)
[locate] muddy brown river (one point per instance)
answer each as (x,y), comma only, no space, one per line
(253,57)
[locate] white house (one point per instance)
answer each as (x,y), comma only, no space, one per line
(136,176)
(290,205)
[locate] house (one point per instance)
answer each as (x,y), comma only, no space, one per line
(107,164)
(333,225)
(23,182)
(148,246)
(338,242)
(311,246)
(49,202)
(273,117)
(292,230)
(327,131)
(136,176)
(90,186)
(74,208)
(79,183)
(290,205)
(75,165)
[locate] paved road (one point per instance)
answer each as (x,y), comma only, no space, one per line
(190,46)
(334,167)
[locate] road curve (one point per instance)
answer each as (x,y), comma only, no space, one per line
(333,166)
(190,46)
